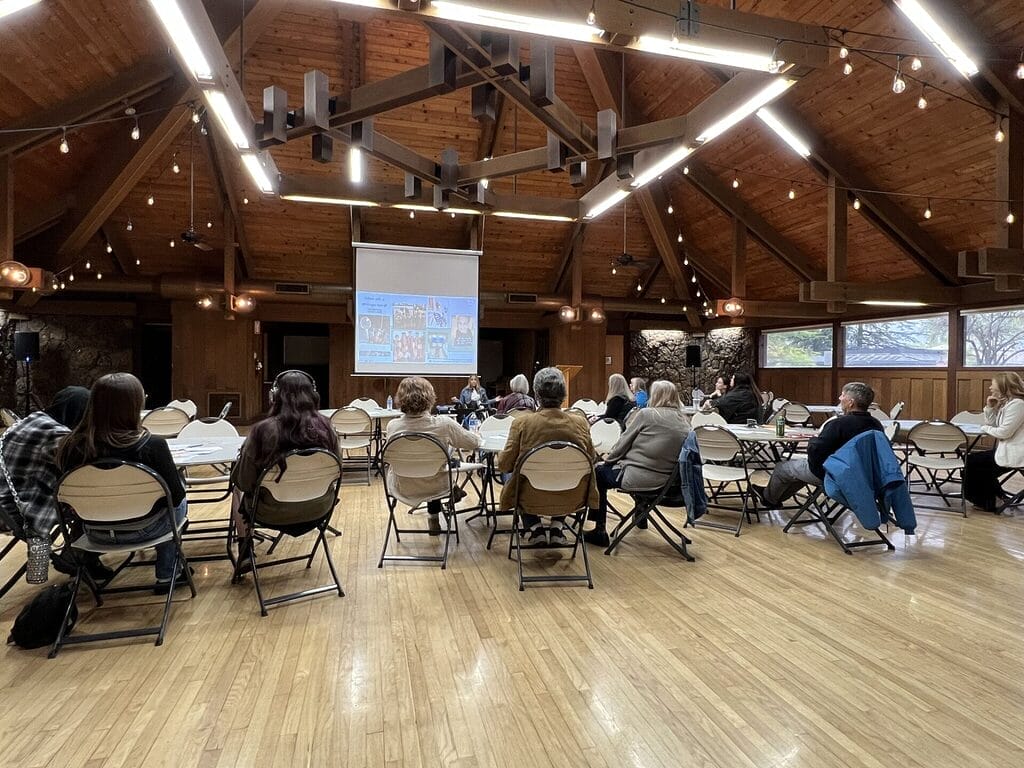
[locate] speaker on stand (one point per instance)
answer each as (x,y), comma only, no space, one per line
(26,350)
(693,361)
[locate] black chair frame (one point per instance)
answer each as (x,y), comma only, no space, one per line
(819,508)
(646,510)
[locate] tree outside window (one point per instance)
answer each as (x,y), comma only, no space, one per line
(994,338)
(915,342)
(802,348)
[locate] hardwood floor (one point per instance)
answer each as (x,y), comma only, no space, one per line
(770,650)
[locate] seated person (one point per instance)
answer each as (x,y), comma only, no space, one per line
(416,398)
(1004,420)
(791,475)
(531,430)
(638,387)
(112,429)
(29,475)
(645,455)
(721,387)
(294,422)
(519,397)
(742,402)
(619,400)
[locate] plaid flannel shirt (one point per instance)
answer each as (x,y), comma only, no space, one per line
(28,453)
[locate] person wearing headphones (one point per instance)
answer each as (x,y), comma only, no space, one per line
(295,422)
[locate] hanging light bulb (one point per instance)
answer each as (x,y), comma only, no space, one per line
(62,285)
(55,285)
(671,210)
(928,210)
(129,226)
(209,225)
(856,204)
(171,243)
(844,52)
(662,299)
(110,248)
(1000,137)
(679,237)
(848,67)
(615,271)
(915,64)
(899,85)
(412,214)
(174,164)
(736,183)
(686,170)
(792,194)
(922,102)
(88,264)
(592,15)
(1020,66)
(693,278)
(136,133)
(1010,218)
(138,262)
(150,200)
(245,201)
(99,275)
(698,296)
(64,146)
(686,261)
(639,286)
(71,277)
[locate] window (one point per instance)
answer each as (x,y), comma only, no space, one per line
(994,338)
(798,348)
(914,342)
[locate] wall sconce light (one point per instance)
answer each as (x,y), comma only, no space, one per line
(597,315)
(205,301)
(733,307)
(566,313)
(15,274)
(243,303)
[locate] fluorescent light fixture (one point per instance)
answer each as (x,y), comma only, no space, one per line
(258,173)
(797,144)
(930,28)
(355,165)
(7,7)
(769,93)
(221,108)
(330,200)
(686,50)
(608,202)
(463,211)
(415,207)
(181,35)
(382,4)
(532,216)
(514,22)
(893,303)
(666,163)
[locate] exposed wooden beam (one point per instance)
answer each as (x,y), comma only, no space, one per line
(230,256)
(739,259)
(225,171)
(653,203)
(1010,182)
(836,225)
(42,217)
(562,271)
(6,209)
(136,84)
(921,290)
(795,309)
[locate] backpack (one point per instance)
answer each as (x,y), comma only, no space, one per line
(39,622)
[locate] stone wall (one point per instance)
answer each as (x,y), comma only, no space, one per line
(72,350)
(662,355)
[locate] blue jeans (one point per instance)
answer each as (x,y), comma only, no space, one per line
(165,553)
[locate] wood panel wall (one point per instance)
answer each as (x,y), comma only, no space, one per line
(581,344)
(802,385)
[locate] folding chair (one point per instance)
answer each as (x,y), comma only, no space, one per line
(225,410)
(364,403)
(418,456)
(588,406)
(604,433)
(8,418)
(354,428)
(724,461)
(647,508)
(937,447)
(190,408)
(892,431)
(700,419)
(968,417)
(819,508)
(896,410)
(875,410)
(116,495)
(165,422)
(205,486)
(1008,498)
(797,415)
(295,500)
(554,467)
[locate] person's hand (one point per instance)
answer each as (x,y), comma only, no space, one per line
(993,402)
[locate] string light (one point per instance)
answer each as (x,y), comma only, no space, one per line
(1010,218)
(138,262)
(686,170)
(64,146)
(844,52)
(899,85)
(670,209)
(174,164)
(412,214)
(639,286)
(88,264)
(693,278)
(209,225)
(686,261)
(171,243)
(1020,66)
(792,194)
(592,15)
(615,271)
(856,204)
(915,64)
(245,201)
(662,299)
(1000,137)
(150,200)
(99,275)
(71,277)
(136,133)
(679,237)
(736,183)
(848,68)
(62,285)
(922,102)
(698,296)
(110,248)
(129,226)
(928,210)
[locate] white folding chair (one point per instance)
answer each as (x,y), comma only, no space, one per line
(165,422)
(588,406)
(364,403)
(896,410)
(723,462)
(891,429)
(797,414)
(123,496)
(968,417)
(604,433)
(700,419)
(354,428)
(207,483)
(295,500)
(497,424)
(190,408)
(937,454)
(555,467)
(8,417)
(875,410)
(417,457)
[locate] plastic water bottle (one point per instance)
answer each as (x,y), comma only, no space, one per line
(473,423)
(391,402)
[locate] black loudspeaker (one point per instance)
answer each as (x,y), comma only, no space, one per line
(693,355)
(26,346)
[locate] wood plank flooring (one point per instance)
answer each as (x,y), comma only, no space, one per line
(770,650)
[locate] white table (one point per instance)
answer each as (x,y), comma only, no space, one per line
(830,410)
(198,451)
(763,434)
(373,413)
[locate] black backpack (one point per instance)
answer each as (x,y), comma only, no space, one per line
(39,622)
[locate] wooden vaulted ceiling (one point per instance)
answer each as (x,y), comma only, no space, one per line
(63,50)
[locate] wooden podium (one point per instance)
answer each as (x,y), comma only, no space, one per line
(569,371)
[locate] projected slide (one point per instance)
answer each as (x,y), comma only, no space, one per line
(416,311)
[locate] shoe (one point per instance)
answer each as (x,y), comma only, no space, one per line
(64,563)
(556,538)
(598,537)
(434,524)
(98,571)
(536,537)
(758,493)
(164,586)
(641,521)
(458,494)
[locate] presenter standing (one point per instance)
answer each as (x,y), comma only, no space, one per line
(472,395)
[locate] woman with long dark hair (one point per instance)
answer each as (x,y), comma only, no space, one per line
(741,402)
(295,422)
(112,429)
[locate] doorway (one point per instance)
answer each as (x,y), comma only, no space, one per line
(155,363)
(299,346)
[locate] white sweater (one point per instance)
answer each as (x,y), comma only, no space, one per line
(1006,425)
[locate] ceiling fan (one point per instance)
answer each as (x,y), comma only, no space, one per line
(190,236)
(625,259)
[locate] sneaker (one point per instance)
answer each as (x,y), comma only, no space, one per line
(598,537)
(536,537)
(163,586)
(556,538)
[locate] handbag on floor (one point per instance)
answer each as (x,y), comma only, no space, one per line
(39,622)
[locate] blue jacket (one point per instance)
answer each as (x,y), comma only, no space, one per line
(691,479)
(864,472)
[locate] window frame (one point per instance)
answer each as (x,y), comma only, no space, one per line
(762,352)
(845,325)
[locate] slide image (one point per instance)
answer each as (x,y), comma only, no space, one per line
(412,316)
(408,346)
(374,329)
(465,331)
(437,314)
(437,352)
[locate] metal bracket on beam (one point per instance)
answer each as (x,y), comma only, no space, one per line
(413,187)
(441,65)
(624,167)
(362,134)
(504,50)
(558,153)
(449,169)
(578,173)
(441,198)
(542,72)
(484,102)
(323,148)
(607,131)
(275,114)
(316,100)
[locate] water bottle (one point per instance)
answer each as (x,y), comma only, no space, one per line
(473,423)
(780,423)
(391,403)
(38,560)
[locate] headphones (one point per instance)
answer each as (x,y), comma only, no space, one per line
(274,386)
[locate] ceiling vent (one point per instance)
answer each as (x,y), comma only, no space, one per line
(292,289)
(521,298)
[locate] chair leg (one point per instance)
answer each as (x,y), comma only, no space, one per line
(167,603)
(387,535)
(256,582)
(59,640)
(330,565)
